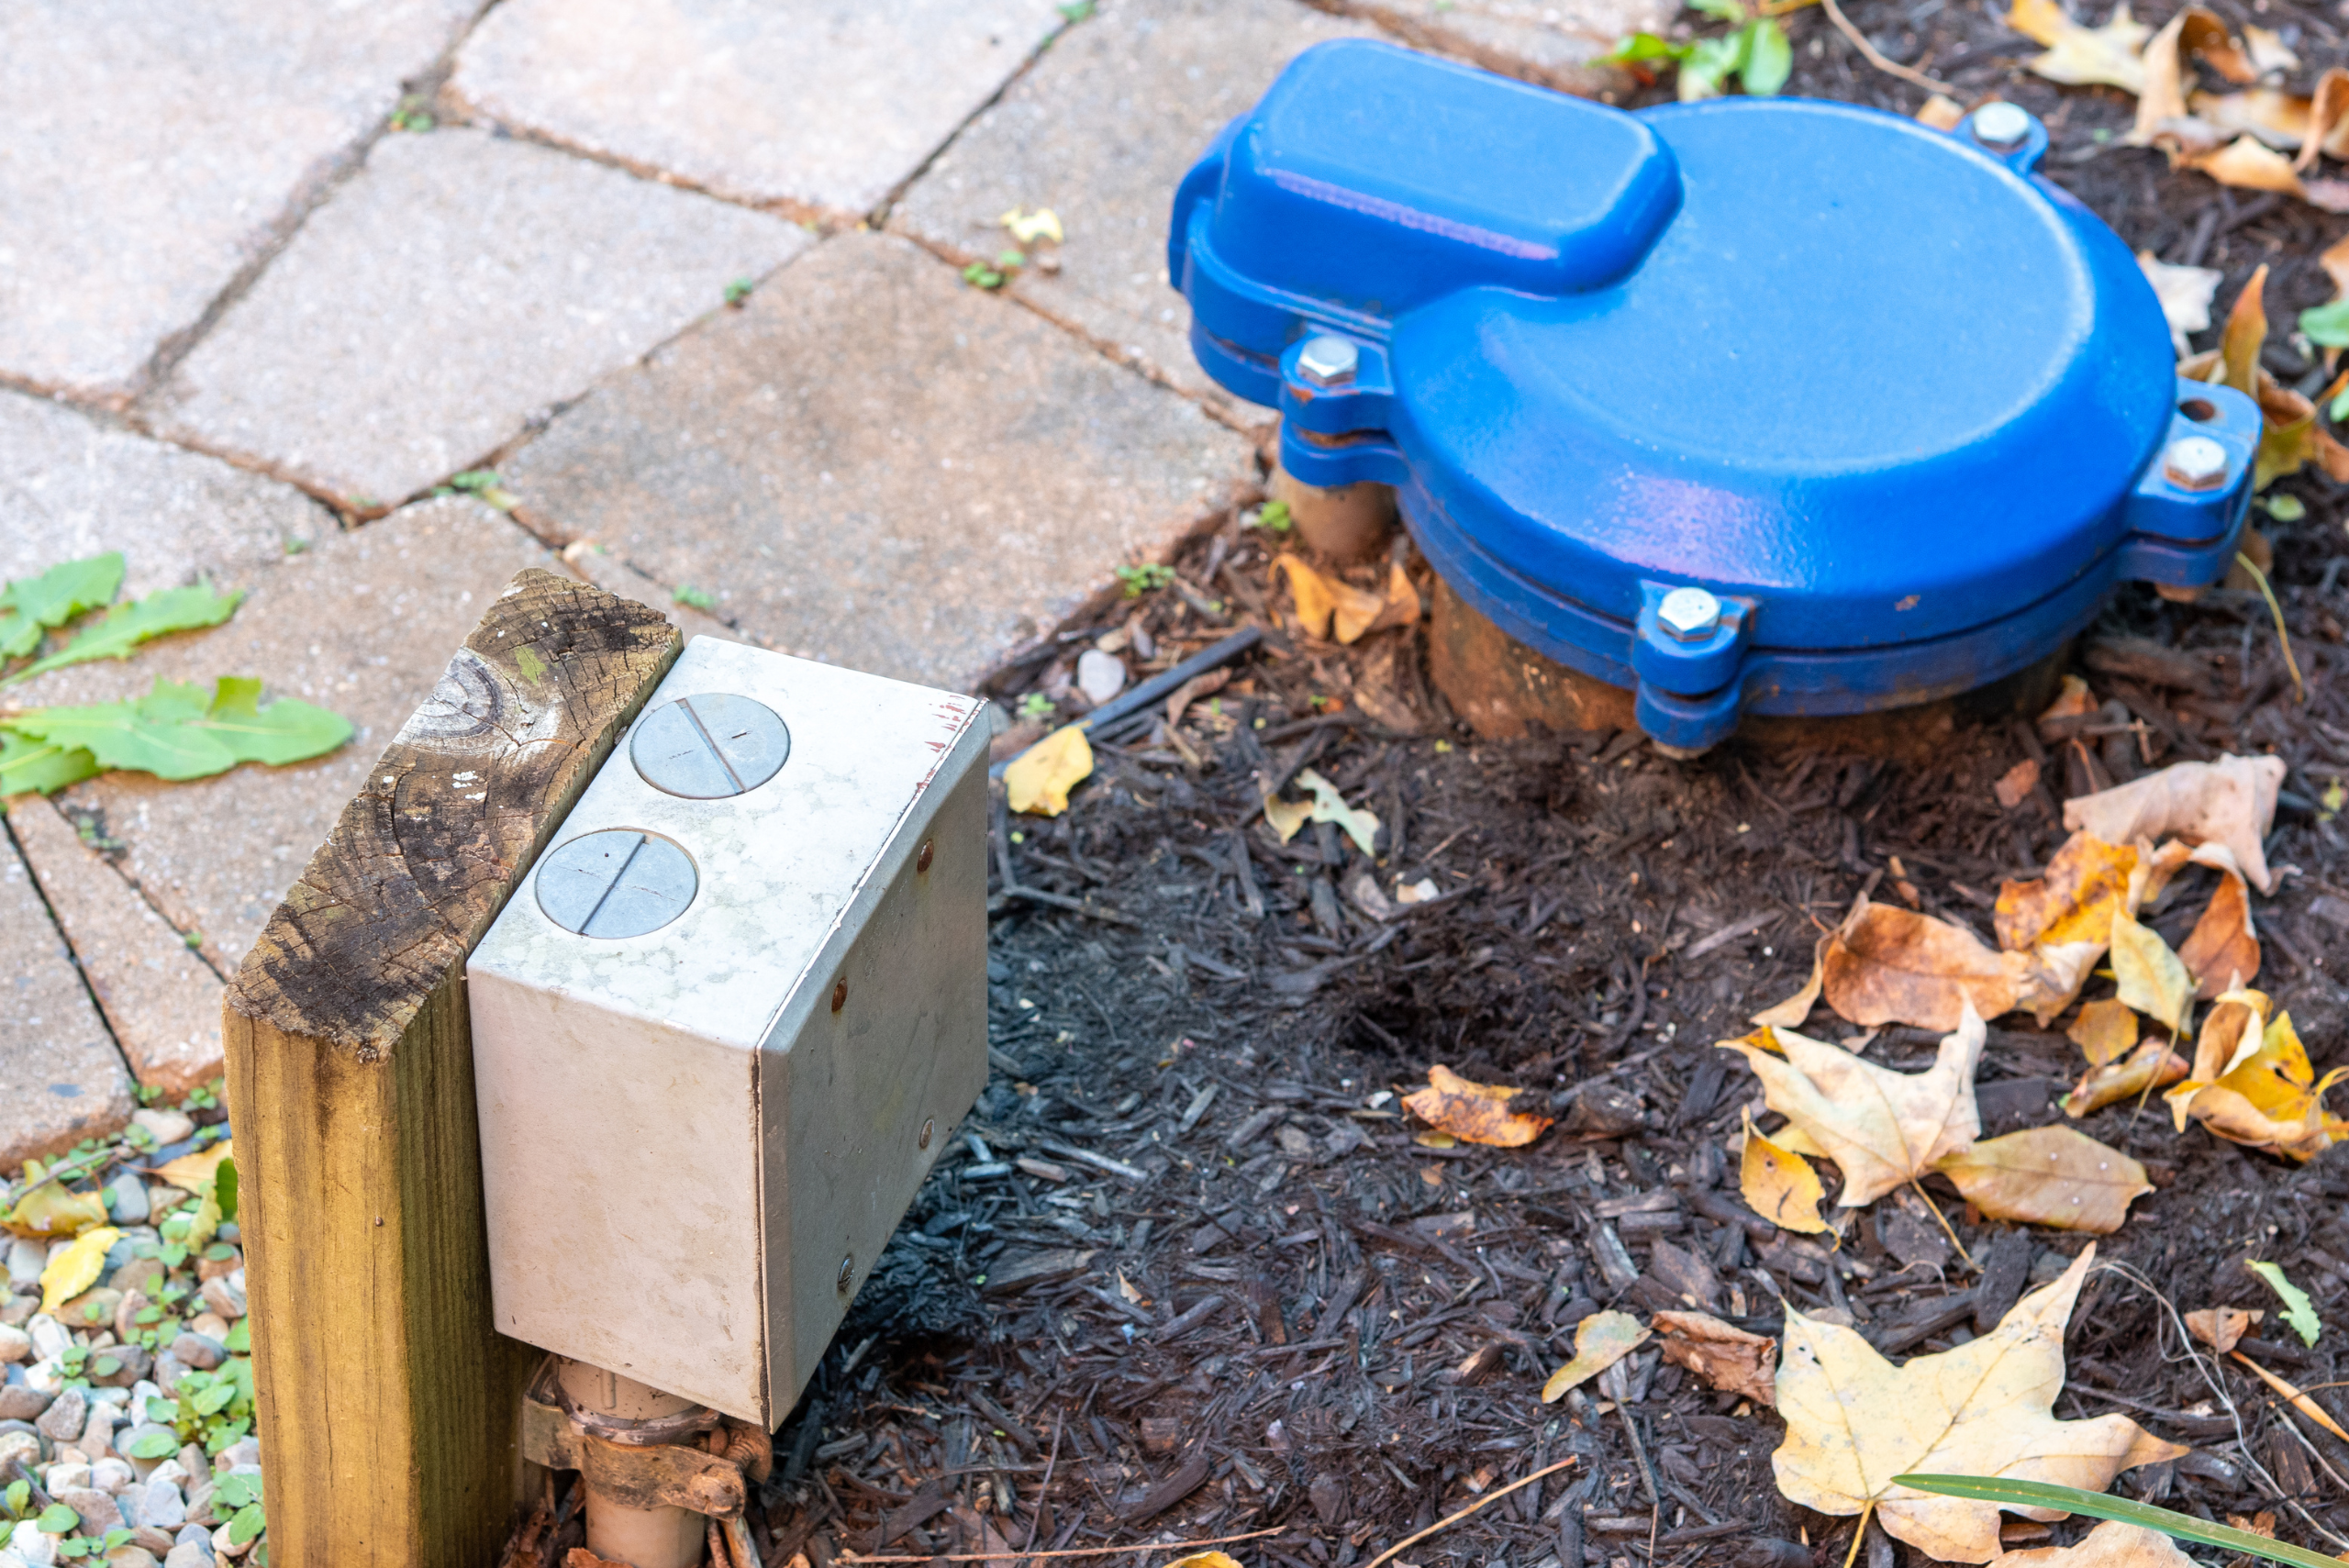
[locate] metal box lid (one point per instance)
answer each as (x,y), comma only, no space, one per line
(1897,403)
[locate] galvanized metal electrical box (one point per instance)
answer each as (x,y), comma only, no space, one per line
(730,1020)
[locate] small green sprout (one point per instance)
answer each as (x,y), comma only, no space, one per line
(699,598)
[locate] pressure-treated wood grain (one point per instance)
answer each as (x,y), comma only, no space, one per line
(388,1404)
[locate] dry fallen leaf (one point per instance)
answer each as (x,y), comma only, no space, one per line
(2079,56)
(2085,883)
(2105,1030)
(2230,802)
(1854,1421)
(1475,1113)
(77,1268)
(2073,700)
(195,1173)
(48,1211)
(2048,1175)
(2253,1085)
(2015,785)
(1724,1356)
(1329,606)
(1779,1183)
(2161,100)
(2110,1545)
(1881,1127)
(1942,112)
(1327,805)
(1039,778)
(2185,293)
(1030,227)
(2223,951)
(1886,965)
(1600,1340)
(2220,1326)
(2269,53)
(2150,979)
(2152,1066)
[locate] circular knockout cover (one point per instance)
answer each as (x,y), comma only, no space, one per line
(617,882)
(709,746)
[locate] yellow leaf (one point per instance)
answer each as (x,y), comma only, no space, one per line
(2074,901)
(1040,778)
(1778,1184)
(2110,1545)
(2257,1088)
(2150,1065)
(1881,1127)
(2151,978)
(2105,1031)
(1600,1340)
(48,1211)
(1888,965)
(2161,99)
(1204,1560)
(1322,599)
(2079,56)
(1030,227)
(195,1173)
(1327,805)
(2048,1175)
(1474,1113)
(76,1269)
(1854,1422)
(2246,330)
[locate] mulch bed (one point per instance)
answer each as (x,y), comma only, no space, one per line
(1185,1272)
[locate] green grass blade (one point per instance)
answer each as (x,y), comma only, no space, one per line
(2100,1506)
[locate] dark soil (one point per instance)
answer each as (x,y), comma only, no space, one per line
(1185,1274)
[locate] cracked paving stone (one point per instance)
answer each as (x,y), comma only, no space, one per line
(1556,43)
(878,465)
(61,1078)
(362,623)
(457,287)
(153,149)
(804,102)
(1102,131)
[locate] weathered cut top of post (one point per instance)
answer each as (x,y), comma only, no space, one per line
(463,800)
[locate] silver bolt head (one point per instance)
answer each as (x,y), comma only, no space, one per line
(1688,613)
(2001,125)
(1327,359)
(847,1272)
(2196,463)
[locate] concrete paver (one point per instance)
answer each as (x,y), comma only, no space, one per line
(161,1001)
(1555,42)
(804,102)
(70,486)
(456,286)
(877,464)
(1101,132)
(153,145)
(61,1078)
(362,623)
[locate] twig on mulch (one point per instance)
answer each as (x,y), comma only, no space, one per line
(1447,1522)
(1875,58)
(1174,1546)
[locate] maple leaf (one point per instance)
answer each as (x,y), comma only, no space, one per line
(2231,802)
(1725,1355)
(2251,1082)
(1886,965)
(2048,1175)
(1854,1422)
(1881,1127)
(2111,1544)
(2223,951)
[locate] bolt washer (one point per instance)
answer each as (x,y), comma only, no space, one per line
(617,882)
(709,746)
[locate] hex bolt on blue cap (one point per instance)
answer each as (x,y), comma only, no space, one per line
(1327,359)
(2195,462)
(1483,294)
(2002,126)
(1688,613)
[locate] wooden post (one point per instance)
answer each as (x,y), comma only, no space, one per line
(389,1406)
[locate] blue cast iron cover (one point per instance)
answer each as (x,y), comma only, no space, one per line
(1902,407)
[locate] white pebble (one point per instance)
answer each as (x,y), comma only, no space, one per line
(164,1126)
(49,1338)
(16,1345)
(1099,675)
